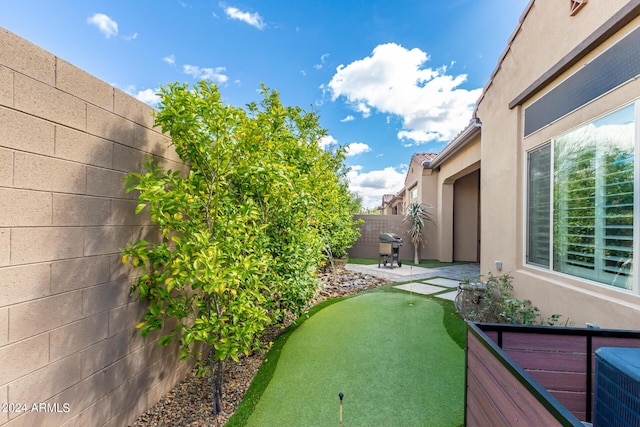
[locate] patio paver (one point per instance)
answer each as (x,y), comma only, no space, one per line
(433,279)
(420,288)
(407,272)
(440,281)
(451,296)
(396,274)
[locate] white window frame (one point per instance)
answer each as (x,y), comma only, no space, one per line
(413,193)
(635,285)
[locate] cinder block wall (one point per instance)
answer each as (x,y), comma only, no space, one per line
(67,334)
(367,245)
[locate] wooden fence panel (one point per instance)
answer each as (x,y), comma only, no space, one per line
(497,396)
(561,360)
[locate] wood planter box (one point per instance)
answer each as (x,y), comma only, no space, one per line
(534,375)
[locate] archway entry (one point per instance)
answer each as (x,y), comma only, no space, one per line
(466,217)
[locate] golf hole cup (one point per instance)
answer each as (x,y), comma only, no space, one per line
(340,395)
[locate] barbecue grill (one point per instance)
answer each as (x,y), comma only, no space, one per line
(389,246)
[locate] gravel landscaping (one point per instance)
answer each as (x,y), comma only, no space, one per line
(189,403)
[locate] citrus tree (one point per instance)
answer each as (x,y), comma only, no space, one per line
(243,230)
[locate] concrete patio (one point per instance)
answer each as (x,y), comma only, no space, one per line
(442,281)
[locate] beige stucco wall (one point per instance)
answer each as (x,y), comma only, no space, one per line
(427,194)
(464,161)
(547,35)
(413,180)
(67,321)
(466,206)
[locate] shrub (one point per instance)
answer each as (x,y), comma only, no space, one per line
(494,303)
(243,230)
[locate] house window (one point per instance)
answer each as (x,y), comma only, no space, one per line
(413,194)
(580,213)
(539,205)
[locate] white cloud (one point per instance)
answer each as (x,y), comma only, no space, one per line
(253,19)
(322,59)
(362,107)
(327,141)
(131,37)
(349,118)
(148,96)
(356,148)
(171,59)
(393,81)
(214,74)
(106,25)
(372,185)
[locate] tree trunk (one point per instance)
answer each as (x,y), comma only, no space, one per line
(217,367)
(416,257)
(217,370)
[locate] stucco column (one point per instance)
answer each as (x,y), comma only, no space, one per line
(444,223)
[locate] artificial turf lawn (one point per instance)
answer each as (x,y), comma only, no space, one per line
(426,263)
(395,363)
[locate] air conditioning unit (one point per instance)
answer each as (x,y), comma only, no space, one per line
(617,392)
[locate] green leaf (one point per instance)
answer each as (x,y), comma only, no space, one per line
(165,340)
(260,208)
(140,207)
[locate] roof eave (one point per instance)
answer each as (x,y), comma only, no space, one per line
(504,54)
(454,146)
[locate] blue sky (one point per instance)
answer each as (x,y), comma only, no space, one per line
(388,78)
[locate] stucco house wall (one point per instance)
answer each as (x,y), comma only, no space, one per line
(457,200)
(543,41)
(450,184)
(67,321)
(421,183)
(421,186)
(466,221)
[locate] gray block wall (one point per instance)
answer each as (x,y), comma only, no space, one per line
(67,320)
(367,245)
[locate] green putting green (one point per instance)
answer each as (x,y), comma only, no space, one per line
(394,362)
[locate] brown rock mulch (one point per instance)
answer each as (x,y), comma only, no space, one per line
(189,402)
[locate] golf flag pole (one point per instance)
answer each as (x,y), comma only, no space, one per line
(340,395)
(411,285)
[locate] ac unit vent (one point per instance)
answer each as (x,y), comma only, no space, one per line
(617,395)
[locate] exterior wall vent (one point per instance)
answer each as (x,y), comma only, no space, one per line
(576,6)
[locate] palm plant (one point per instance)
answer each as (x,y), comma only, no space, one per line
(417,215)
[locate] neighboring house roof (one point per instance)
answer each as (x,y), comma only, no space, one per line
(420,158)
(429,160)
